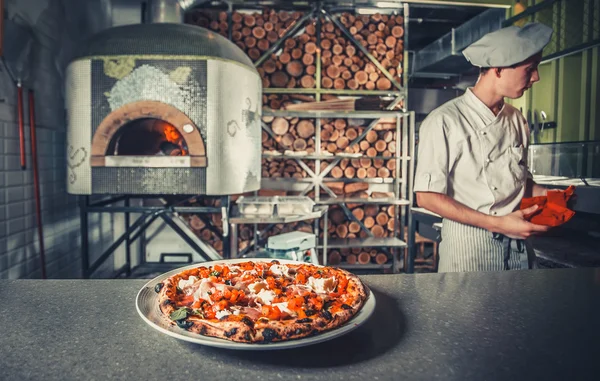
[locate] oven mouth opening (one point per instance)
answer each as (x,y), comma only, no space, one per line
(147,137)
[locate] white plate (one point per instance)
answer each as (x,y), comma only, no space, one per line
(147,306)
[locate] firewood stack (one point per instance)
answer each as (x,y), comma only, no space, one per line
(294,66)
(344,66)
(286,168)
(209,19)
(292,134)
(378,219)
(382,36)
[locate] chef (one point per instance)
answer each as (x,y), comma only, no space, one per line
(472,158)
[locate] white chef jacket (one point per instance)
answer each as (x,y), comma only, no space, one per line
(473,156)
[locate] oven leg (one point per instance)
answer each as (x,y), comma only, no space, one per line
(228,242)
(127,240)
(83,216)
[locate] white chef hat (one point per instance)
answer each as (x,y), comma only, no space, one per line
(508,46)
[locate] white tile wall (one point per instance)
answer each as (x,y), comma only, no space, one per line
(19,246)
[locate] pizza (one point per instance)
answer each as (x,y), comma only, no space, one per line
(260,302)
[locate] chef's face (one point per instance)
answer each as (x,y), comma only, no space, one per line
(515,80)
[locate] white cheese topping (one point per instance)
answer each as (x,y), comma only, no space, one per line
(266,296)
(234,268)
(203,290)
(280,270)
(283,307)
(183,283)
(255,288)
(322,285)
(222,313)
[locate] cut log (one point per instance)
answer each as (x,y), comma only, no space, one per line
(337,172)
(380,145)
(390,225)
(355,187)
(337,188)
(371,172)
(383,172)
(336,216)
(299,144)
(391,165)
(294,68)
(391,211)
(307,81)
(383,84)
(354,227)
(352,84)
(280,126)
(341,231)
(359,214)
(334,258)
(378,163)
(361,77)
(351,134)
(333,72)
(339,84)
(342,142)
(351,259)
(305,129)
(364,258)
(378,231)
(371,152)
(310,47)
(327,82)
(279,79)
(196,223)
(269,66)
(382,219)
(365,163)
(287,140)
(397,31)
(254,54)
(371,136)
(308,59)
(381,259)
(361,173)
(369,222)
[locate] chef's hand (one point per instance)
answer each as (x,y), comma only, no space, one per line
(515,225)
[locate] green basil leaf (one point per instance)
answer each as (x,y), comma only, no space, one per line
(179,314)
(215,273)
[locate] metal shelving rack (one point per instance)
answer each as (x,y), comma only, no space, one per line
(401,183)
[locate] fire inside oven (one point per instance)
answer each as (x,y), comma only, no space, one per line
(147,137)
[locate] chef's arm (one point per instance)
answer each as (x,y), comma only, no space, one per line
(512,225)
(534,190)
(447,207)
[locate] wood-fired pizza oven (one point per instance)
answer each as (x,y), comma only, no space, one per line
(162,109)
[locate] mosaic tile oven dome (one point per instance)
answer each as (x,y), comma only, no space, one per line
(162,109)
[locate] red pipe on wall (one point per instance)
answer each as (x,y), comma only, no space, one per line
(21,123)
(36,183)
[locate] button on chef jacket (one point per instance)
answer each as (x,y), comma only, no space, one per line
(477,158)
